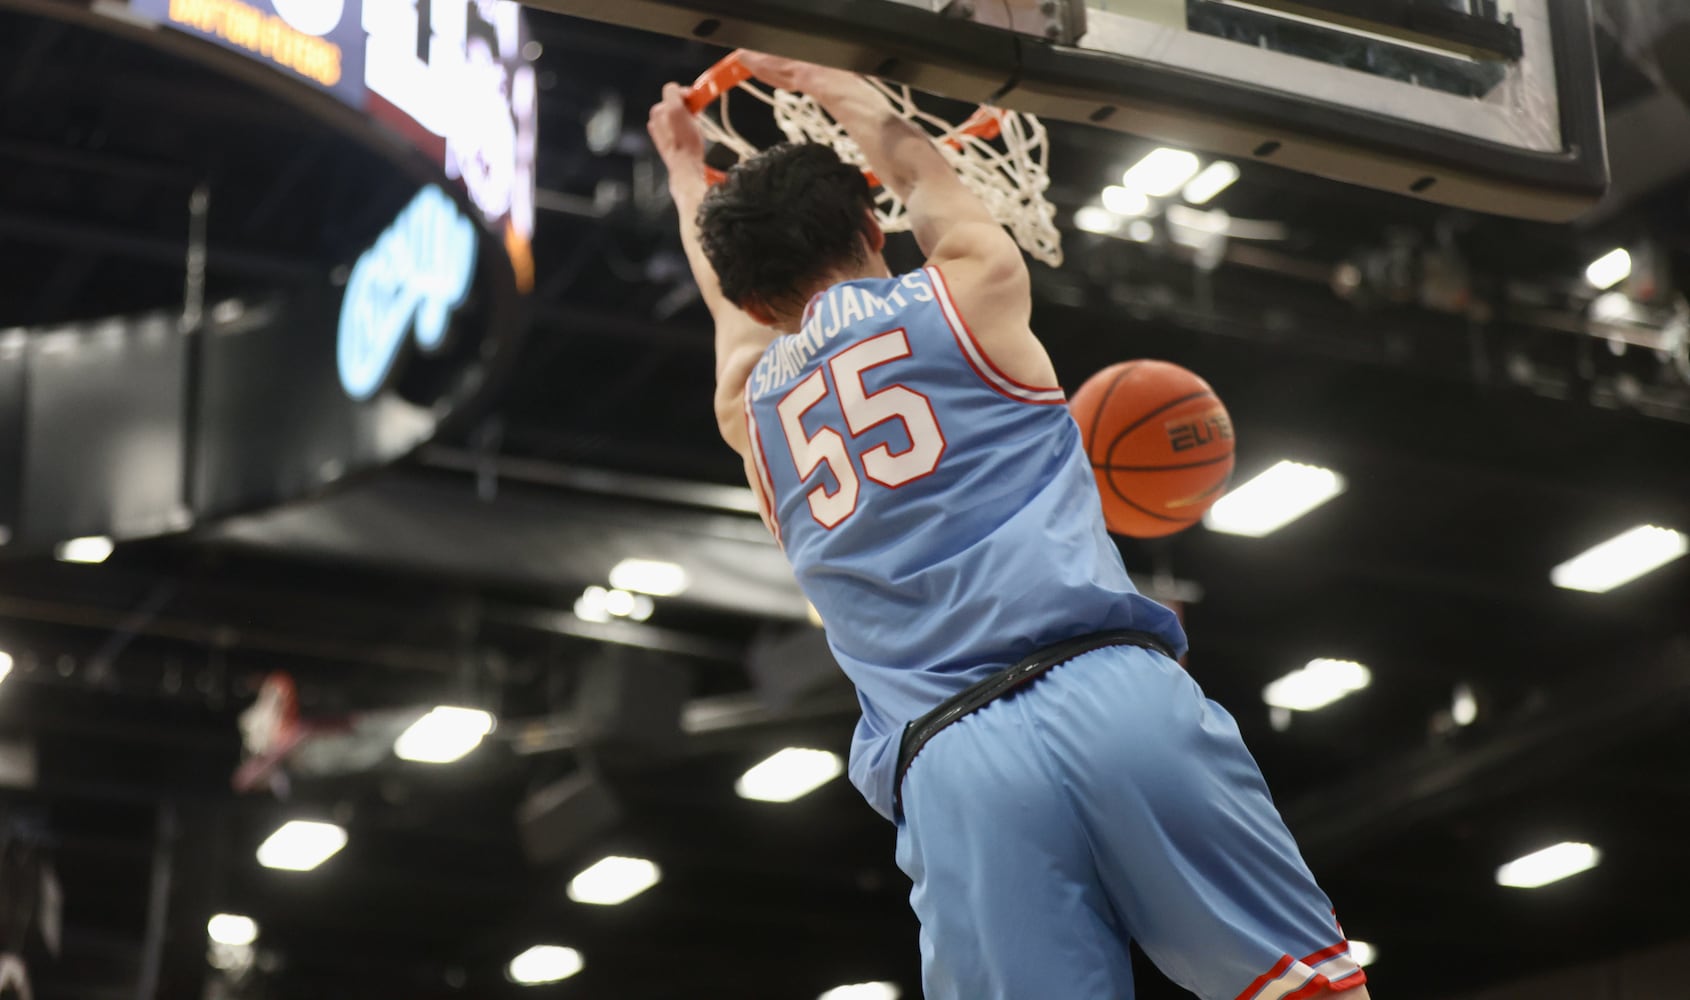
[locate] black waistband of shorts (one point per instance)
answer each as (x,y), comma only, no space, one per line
(983,693)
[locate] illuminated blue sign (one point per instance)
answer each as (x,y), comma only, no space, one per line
(413,279)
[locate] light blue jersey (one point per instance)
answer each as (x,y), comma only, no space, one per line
(944,520)
(942,517)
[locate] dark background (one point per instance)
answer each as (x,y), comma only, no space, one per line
(1486,433)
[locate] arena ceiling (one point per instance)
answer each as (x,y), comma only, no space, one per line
(1485,436)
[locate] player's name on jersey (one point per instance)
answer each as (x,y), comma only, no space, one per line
(839,308)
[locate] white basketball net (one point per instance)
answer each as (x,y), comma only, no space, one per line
(1008,173)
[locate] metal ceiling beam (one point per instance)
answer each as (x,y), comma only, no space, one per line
(523,536)
(223,635)
(712,723)
(603,482)
(104,162)
(82,236)
(621,633)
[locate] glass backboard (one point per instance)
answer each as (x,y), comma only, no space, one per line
(1493,105)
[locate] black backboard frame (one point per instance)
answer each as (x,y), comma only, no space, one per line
(974,62)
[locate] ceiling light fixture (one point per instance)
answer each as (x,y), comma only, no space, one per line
(613,880)
(649,576)
(1162,172)
(445,734)
(231,929)
(301,845)
(1274,499)
(1096,219)
(790,774)
(544,963)
(1128,203)
(1464,710)
(863,991)
(1552,864)
(1317,685)
(1609,269)
(619,603)
(599,605)
(1215,178)
(1620,559)
(591,605)
(92,549)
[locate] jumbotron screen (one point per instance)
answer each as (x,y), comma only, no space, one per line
(451,76)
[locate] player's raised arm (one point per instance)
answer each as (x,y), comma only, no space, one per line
(979,260)
(739,337)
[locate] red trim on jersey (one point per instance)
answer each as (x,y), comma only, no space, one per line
(1326,953)
(1320,984)
(1349,982)
(856,432)
(1317,983)
(1285,962)
(976,355)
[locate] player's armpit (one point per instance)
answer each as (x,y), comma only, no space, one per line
(948,220)
(991,291)
(983,254)
(730,420)
(755,482)
(733,421)
(734,365)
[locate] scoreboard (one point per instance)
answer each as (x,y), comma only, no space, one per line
(453,78)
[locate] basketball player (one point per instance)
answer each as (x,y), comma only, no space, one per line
(1060,785)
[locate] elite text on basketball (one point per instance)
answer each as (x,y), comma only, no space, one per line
(1190,434)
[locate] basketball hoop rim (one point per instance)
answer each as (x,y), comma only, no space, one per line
(725,75)
(729,72)
(998,154)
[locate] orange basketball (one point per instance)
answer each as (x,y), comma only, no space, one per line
(1160,443)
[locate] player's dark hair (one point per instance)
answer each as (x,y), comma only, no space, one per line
(782,221)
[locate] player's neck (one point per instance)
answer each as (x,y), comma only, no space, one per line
(874,267)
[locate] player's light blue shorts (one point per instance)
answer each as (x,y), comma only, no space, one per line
(1108,801)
